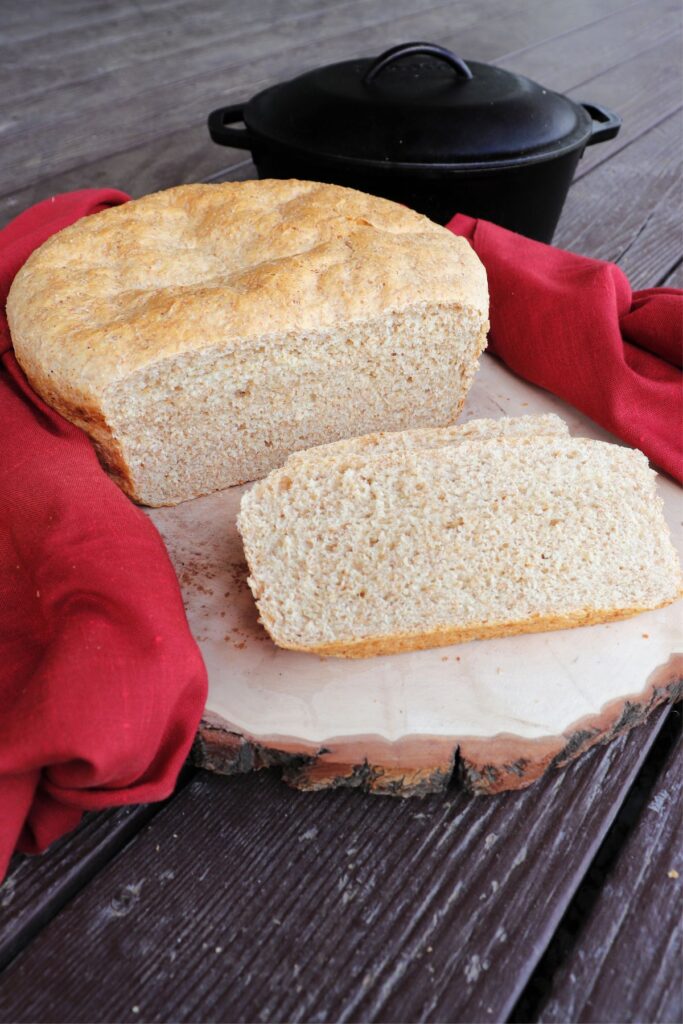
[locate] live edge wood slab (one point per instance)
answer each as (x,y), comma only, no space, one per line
(493,715)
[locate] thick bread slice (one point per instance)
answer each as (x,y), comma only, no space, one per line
(438,437)
(364,554)
(202,334)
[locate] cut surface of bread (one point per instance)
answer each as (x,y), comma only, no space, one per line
(202,334)
(377,552)
(439,437)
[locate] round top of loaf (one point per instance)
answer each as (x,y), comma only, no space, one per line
(199,266)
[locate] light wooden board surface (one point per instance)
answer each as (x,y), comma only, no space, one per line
(405,715)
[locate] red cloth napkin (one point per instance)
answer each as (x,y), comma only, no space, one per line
(573,326)
(101,684)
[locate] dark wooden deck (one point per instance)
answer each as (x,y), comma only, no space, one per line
(242,900)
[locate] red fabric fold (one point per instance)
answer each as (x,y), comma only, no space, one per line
(573,326)
(101,683)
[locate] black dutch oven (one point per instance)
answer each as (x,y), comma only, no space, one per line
(422,127)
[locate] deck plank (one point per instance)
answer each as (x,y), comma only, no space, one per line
(36,888)
(156,44)
(595,47)
(154,98)
(326,906)
(39,138)
(122,39)
(625,210)
(674,279)
(602,981)
(40,19)
(166,158)
(638,92)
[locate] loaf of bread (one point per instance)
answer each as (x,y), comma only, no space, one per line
(202,334)
(380,548)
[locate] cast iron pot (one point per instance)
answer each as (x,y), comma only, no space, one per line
(422,127)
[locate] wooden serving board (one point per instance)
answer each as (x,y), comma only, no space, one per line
(497,712)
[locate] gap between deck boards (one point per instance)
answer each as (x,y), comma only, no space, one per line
(530,1003)
(124,829)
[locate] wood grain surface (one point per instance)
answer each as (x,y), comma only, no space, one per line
(625,209)
(240,899)
(161,139)
(247,901)
(37,888)
(592,985)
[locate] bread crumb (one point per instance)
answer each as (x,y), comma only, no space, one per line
(646,636)
(673,873)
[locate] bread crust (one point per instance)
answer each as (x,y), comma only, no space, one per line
(445,636)
(194,267)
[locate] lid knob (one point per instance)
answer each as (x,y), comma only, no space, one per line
(407,50)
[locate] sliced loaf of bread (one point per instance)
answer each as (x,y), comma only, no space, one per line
(202,334)
(377,551)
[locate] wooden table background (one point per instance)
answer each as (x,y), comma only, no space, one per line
(239,899)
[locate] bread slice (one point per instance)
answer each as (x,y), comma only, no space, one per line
(202,334)
(439,437)
(371,553)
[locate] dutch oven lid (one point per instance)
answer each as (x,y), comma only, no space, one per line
(417,104)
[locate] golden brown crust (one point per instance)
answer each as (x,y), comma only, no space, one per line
(89,418)
(443,636)
(200,265)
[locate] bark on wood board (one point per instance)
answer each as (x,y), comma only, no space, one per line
(244,900)
(640,907)
(508,707)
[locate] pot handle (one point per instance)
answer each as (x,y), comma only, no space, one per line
(606,123)
(407,50)
(219,120)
